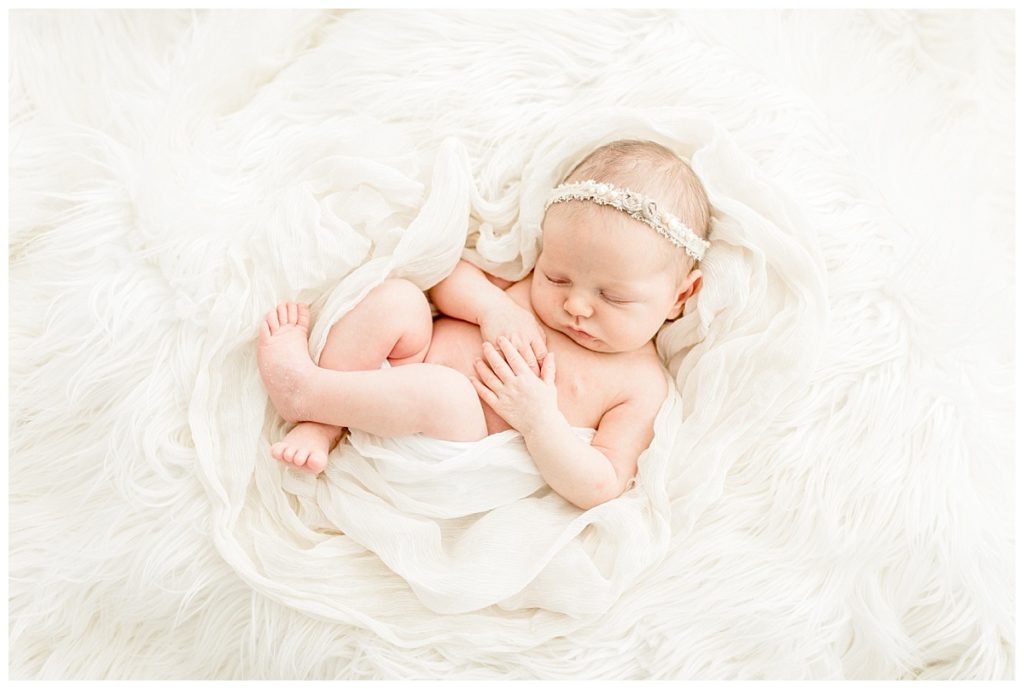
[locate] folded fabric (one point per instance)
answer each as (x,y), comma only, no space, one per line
(471,524)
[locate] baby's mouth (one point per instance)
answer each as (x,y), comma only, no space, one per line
(582,334)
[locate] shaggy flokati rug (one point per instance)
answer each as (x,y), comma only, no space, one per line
(829,493)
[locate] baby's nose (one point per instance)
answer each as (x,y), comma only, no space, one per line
(578,306)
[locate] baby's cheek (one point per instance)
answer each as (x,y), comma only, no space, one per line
(634,333)
(544,308)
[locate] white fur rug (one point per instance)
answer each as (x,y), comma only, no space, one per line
(837,499)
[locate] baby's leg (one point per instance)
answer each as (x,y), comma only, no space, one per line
(415,398)
(411,398)
(392,323)
(419,398)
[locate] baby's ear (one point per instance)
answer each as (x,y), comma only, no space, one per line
(689,288)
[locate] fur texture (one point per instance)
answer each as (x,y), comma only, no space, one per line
(838,494)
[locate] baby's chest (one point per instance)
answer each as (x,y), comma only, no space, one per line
(587,385)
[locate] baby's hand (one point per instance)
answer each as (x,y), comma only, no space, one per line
(521,329)
(505,382)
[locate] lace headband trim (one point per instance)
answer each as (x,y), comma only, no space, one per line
(637,206)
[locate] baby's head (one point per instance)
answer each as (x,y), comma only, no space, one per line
(614,266)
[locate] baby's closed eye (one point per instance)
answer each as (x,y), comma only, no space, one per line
(616,299)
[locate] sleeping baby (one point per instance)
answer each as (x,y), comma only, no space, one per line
(570,345)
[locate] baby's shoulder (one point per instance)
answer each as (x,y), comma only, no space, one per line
(520,292)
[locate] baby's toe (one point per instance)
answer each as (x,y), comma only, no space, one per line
(289,454)
(272,321)
(302,317)
(300,457)
(316,462)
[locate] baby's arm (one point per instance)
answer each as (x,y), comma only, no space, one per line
(468,294)
(584,474)
(589,475)
(472,295)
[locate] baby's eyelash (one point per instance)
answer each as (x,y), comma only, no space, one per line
(611,300)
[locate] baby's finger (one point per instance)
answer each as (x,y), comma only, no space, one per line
(497,362)
(526,351)
(540,349)
(486,375)
(547,371)
(514,358)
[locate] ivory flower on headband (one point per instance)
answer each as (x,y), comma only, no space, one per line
(635,205)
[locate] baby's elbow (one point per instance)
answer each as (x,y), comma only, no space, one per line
(600,494)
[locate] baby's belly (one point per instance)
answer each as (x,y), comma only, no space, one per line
(581,396)
(457,344)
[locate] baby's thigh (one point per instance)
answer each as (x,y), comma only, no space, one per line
(392,323)
(400,301)
(454,411)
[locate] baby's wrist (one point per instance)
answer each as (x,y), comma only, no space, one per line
(493,306)
(542,420)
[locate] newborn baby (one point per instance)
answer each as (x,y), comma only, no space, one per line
(569,345)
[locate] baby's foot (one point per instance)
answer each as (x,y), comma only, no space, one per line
(307,446)
(283,356)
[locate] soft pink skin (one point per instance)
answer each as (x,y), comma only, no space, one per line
(350,388)
(307,445)
(602,287)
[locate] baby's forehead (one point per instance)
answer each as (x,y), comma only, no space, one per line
(622,244)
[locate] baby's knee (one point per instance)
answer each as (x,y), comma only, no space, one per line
(401,299)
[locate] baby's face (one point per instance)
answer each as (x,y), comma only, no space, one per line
(603,279)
